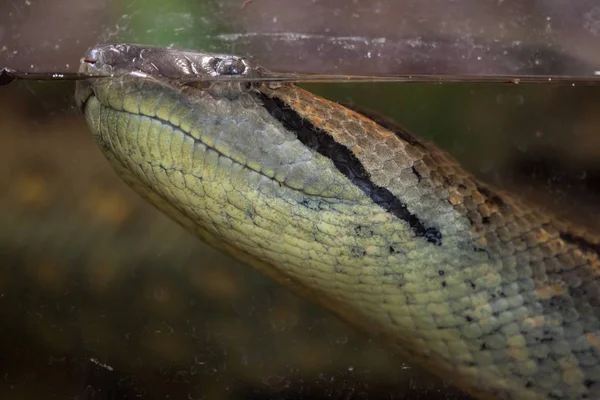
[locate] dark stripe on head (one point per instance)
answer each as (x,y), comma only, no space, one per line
(347,163)
(389,124)
(493,197)
(580,242)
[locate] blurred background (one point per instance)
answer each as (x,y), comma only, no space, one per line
(101,297)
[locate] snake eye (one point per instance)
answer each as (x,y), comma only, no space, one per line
(112,54)
(230,66)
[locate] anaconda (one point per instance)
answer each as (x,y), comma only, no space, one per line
(367,220)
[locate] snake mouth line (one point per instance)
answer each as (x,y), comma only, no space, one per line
(205,145)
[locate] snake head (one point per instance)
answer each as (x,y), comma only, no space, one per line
(111,59)
(173,65)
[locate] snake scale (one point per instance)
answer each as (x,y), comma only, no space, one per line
(380,227)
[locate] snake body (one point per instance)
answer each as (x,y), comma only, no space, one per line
(380,227)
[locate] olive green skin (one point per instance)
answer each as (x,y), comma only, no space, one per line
(505,306)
